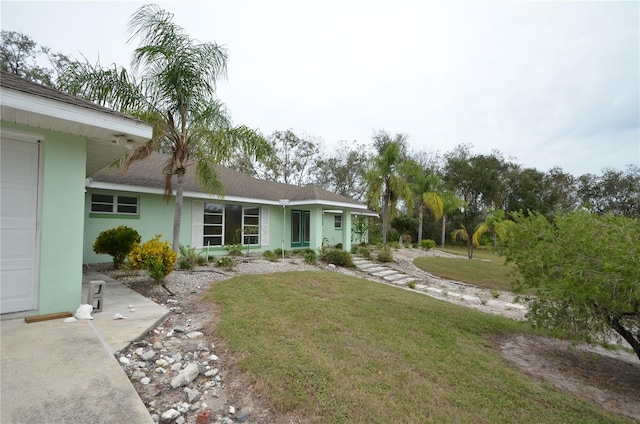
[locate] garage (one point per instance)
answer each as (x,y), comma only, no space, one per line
(19,180)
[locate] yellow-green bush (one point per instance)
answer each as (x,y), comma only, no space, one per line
(155,257)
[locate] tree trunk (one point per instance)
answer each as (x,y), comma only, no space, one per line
(419,225)
(444,225)
(385,207)
(614,322)
(177,214)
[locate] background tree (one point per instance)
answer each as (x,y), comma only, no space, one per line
(385,183)
(291,163)
(21,55)
(478,180)
(344,171)
(616,192)
(584,270)
(177,94)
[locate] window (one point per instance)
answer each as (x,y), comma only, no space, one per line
(337,222)
(251,226)
(230,224)
(108,203)
(213,224)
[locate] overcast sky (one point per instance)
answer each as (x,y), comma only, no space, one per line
(545,83)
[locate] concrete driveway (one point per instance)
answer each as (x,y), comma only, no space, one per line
(55,372)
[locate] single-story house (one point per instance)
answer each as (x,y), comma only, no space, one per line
(257,214)
(50,143)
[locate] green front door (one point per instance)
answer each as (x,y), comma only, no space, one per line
(300,228)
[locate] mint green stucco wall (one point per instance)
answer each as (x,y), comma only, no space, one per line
(155,217)
(64,169)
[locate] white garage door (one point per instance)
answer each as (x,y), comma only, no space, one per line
(19,212)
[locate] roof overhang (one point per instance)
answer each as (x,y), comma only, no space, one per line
(109,135)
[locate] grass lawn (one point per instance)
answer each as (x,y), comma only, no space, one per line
(338,349)
(486,269)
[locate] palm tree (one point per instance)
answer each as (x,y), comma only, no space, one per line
(450,204)
(384,179)
(176,92)
(424,186)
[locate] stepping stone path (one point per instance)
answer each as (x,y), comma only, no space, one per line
(395,277)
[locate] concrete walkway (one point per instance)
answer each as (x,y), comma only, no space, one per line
(52,372)
(393,276)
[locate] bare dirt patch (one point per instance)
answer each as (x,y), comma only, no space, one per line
(605,377)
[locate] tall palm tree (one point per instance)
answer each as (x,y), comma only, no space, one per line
(386,185)
(176,92)
(450,204)
(425,187)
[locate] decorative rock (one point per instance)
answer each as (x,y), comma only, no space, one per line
(194,334)
(169,416)
(176,366)
(177,357)
(138,351)
(69,320)
(212,373)
(226,420)
(137,375)
(161,370)
(148,354)
(157,343)
(183,407)
(242,418)
(192,394)
(195,326)
(181,420)
(187,375)
(124,360)
(232,410)
(178,329)
(213,358)
(145,380)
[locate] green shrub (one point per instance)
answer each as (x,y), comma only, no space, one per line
(233,249)
(354,250)
(310,256)
(339,246)
(189,258)
(427,244)
(411,285)
(154,256)
(365,251)
(226,262)
(385,254)
(117,242)
(338,258)
(279,253)
(271,256)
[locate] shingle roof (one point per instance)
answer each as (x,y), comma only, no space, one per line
(148,173)
(14,82)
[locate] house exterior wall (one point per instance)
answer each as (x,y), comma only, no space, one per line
(61,235)
(63,160)
(333,235)
(155,216)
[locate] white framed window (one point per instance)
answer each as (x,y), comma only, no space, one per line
(114,204)
(230,224)
(251,225)
(213,225)
(337,222)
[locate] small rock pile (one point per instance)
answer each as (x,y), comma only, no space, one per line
(180,361)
